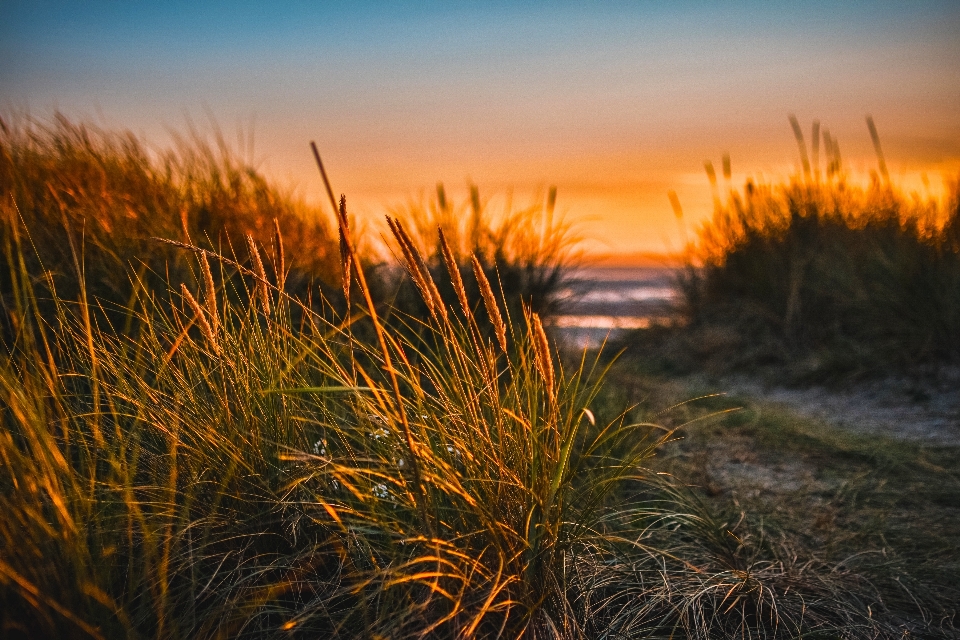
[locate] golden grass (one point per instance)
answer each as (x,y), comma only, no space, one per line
(826,276)
(220,470)
(424,484)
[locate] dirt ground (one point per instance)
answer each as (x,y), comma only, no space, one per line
(865,476)
(925,413)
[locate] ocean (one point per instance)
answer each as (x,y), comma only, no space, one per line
(602,303)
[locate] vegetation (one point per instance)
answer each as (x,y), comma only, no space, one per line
(878,508)
(822,279)
(92,201)
(528,251)
(220,474)
(210,454)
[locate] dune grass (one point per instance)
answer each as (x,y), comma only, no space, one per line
(198,443)
(93,201)
(220,471)
(528,251)
(823,278)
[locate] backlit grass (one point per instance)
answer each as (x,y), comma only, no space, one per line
(220,472)
(92,199)
(823,278)
(196,444)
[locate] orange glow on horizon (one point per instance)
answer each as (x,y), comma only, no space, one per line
(621,218)
(615,104)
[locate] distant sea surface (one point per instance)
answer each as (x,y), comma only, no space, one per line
(602,303)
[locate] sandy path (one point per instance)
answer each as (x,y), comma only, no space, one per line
(927,414)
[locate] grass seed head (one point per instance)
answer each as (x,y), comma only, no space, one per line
(490,301)
(454,270)
(542,348)
(210,294)
(260,273)
(281,257)
(418,269)
(346,258)
(201,319)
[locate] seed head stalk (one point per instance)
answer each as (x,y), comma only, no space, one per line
(388,365)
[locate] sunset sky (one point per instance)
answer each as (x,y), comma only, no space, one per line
(615,105)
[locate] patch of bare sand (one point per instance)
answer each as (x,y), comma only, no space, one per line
(901,409)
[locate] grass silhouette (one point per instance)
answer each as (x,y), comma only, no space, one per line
(823,278)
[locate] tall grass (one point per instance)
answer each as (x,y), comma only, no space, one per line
(92,199)
(839,278)
(196,443)
(528,252)
(220,471)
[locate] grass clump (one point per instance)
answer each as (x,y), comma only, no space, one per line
(823,279)
(91,200)
(528,252)
(220,471)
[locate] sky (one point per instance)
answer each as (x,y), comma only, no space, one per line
(614,103)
